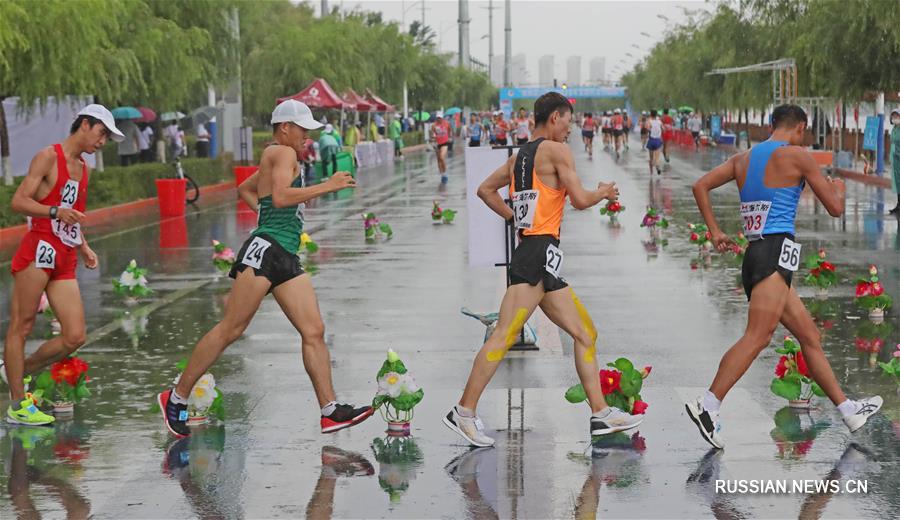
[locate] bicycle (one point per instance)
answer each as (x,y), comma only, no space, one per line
(192,190)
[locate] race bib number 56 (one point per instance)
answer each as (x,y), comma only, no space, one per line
(790,255)
(554,260)
(253,257)
(524,207)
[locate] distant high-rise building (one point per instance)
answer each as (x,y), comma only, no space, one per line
(497,71)
(573,70)
(519,73)
(546,71)
(598,70)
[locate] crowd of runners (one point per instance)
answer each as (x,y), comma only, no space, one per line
(540,176)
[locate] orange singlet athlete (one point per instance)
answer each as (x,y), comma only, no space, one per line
(540,177)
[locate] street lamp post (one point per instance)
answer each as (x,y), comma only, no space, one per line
(490,35)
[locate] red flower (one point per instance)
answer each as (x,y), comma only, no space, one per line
(862,289)
(609,381)
(781,368)
(814,272)
(801,364)
(68,370)
(862,344)
(876,288)
(827,266)
(695,237)
(646,371)
(614,206)
(801,448)
(638,443)
(639,407)
(708,235)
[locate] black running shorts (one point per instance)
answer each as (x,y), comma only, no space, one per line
(274,262)
(529,263)
(761,260)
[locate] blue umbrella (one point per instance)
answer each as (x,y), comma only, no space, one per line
(452,110)
(126,113)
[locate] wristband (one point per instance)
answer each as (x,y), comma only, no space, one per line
(53,211)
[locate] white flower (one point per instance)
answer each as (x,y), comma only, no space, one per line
(389,384)
(203,393)
(128,280)
(408,383)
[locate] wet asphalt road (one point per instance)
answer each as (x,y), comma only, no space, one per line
(657,305)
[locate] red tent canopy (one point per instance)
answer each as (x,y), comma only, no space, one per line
(380,104)
(356,101)
(318,94)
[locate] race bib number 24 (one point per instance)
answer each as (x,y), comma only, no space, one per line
(253,257)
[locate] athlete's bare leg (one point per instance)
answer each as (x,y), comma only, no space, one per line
(561,307)
(246,294)
(767,303)
(798,320)
(297,299)
(518,303)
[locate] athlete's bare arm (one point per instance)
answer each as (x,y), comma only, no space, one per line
(829,190)
(720,175)
(561,157)
(24,201)
(248,193)
(283,162)
(488,189)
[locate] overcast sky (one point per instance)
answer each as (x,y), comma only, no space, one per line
(562,28)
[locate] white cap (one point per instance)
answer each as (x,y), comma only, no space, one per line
(105,116)
(439,114)
(618,111)
(293,111)
(329,128)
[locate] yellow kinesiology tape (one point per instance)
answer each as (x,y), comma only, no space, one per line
(511,332)
(588,327)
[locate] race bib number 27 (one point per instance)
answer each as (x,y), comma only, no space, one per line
(253,257)
(554,260)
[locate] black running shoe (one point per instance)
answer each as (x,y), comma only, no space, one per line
(174,415)
(345,416)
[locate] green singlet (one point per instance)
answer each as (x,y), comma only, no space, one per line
(283,224)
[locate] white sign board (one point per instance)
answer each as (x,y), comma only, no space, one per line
(487,231)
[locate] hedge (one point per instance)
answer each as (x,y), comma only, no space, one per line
(118,185)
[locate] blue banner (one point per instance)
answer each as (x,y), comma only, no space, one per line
(870,137)
(573,92)
(715,126)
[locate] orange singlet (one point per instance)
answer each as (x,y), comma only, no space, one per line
(538,208)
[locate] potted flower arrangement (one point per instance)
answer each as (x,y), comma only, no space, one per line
(700,237)
(612,208)
(64,385)
(792,380)
(870,295)
(444,216)
(892,367)
(399,459)
(45,309)
(132,284)
(621,387)
(205,400)
(653,219)
(821,273)
(307,244)
(223,257)
(739,245)
(397,394)
(376,229)
(794,433)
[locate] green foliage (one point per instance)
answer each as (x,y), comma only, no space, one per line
(787,387)
(842,49)
(575,394)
